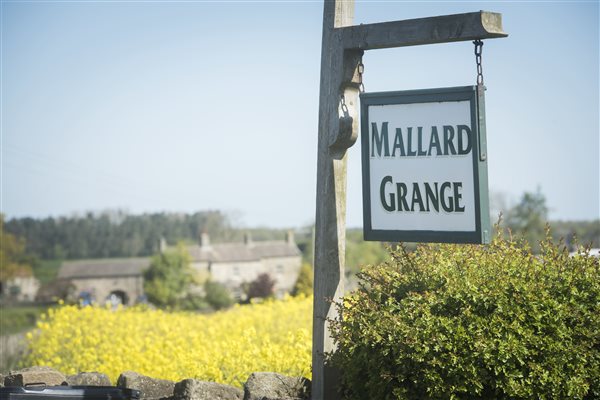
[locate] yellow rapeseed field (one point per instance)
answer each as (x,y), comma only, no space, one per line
(224,347)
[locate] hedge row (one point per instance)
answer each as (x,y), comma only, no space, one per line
(472,322)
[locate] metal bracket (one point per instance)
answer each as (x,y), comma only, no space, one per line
(481,122)
(347,131)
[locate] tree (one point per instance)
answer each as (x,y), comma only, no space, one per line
(304,283)
(168,278)
(112,233)
(261,287)
(13,261)
(528,218)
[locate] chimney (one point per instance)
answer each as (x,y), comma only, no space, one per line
(289,238)
(162,245)
(204,240)
(248,239)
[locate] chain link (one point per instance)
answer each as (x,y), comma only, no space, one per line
(478,50)
(344,105)
(361,70)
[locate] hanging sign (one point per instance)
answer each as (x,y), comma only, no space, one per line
(425,166)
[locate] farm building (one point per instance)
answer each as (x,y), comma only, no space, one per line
(105,279)
(231,264)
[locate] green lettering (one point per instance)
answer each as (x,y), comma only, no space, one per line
(448,138)
(398,143)
(457,197)
(434,141)
(379,141)
(416,198)
(432,196)
(391,205)
(420,151)
(448,207)
(402,190)
(467,149)
(410,152)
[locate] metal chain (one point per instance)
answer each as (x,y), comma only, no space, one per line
(361,70)
(343,105)
(478,49)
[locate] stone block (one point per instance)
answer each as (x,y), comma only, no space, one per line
(88,379)
(150,388)
(192,389)
(272,386)
(34,375)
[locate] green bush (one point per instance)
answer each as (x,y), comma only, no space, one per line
(217,295)
(193,302)
(261,288)
(304,284)
(473,322)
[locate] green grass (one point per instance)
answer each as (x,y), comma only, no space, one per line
(18,319)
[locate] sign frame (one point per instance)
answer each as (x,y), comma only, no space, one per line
(475,96)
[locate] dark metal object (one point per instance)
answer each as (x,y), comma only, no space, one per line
(478,50)
(347,134)
(68,393)
(361,71)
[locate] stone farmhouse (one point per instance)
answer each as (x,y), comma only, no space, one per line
(230,264)
(233,264)
(100,279)
(20,288)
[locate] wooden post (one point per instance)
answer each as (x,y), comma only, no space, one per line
(330,224)
(341,52)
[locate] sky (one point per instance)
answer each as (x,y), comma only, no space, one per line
(185,106)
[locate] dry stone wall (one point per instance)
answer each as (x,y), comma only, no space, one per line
(259,386)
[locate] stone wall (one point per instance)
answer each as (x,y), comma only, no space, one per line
(259,386)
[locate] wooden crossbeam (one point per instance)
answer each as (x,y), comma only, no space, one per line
(420,31)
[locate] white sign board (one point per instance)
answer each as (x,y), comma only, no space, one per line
(424,166)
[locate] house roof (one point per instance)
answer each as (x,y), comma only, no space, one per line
(240,252)
(215,253)
(103,268)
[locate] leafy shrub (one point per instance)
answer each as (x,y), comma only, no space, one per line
(262,287)
(304,283)
(467,322)
(193,302)
(217,295)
